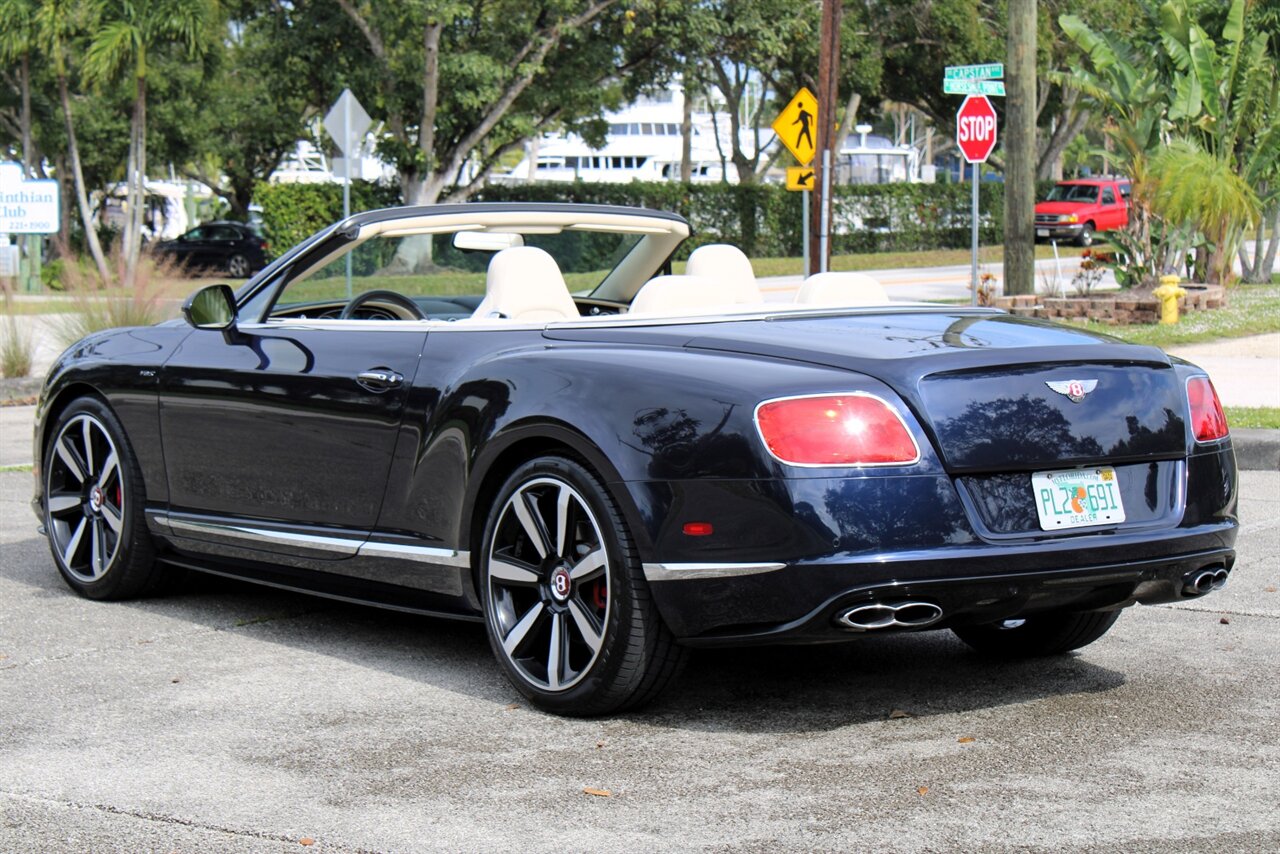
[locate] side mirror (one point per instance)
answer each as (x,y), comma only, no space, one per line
(213,307)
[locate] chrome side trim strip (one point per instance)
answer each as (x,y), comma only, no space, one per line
(418,554)
(337,545)
(691,571)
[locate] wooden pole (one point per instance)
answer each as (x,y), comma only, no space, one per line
(1020,151)
(828,75)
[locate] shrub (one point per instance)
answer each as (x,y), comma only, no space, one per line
(764,220)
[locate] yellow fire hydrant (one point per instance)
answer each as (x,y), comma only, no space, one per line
(1168,294)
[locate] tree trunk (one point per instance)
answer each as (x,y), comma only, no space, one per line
(86,213)
(133,245)
(415,254)
(686,129)
(25,76)
(1020,151)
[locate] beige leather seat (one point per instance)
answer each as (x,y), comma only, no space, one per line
(841,290)
(524,283)
(674,296)
(728,264)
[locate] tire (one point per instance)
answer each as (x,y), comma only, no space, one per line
(93,505)
(566,605)
(1086,235)
(1038,635)
(238,267)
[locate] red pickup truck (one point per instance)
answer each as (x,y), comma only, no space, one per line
(1076,210)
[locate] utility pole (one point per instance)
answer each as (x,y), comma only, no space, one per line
(824,159)
(1020,151)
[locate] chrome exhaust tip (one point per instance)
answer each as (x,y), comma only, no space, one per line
(873,616)
(1204,581)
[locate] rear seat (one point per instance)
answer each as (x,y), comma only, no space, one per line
(841,290)
(728,264)
(684,295)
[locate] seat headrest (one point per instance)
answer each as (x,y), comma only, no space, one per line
(729,264)
(524,283)
(680,295)
(842,290)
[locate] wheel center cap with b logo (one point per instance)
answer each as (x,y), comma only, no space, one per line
(561,584)
(96,499)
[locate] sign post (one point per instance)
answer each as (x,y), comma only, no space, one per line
(976,136)
(347,122)
(794,127)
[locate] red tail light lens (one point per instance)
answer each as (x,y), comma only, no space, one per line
(853,429)
(1207,418)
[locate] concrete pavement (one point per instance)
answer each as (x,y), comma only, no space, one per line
(223,717)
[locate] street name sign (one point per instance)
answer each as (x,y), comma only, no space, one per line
(27,207)
(976,128)
(796,125)
(800,178)
(986,71)
(952,86)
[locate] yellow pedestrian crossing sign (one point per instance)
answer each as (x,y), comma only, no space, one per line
(796,125)
(800,178)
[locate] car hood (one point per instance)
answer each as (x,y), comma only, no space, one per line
(1061,207)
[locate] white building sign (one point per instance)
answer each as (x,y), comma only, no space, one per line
(27,207)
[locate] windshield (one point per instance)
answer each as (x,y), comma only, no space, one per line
(1073,193)
(430,265)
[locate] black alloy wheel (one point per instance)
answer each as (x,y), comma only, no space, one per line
(1052,633)
(566,605)
(238,266)
(93,503)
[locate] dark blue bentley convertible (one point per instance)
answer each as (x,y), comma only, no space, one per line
(607,463)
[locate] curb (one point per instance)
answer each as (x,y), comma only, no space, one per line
(1256,449)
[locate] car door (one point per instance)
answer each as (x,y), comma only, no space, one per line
(1112,214)
(282,428)
(186,249)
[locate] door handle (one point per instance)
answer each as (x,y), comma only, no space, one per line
(380,379)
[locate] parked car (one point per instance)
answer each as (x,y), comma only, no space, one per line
(1077,210)
(605,464)
(237,249)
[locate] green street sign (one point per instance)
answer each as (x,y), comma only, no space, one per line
(989,71)
(973,87)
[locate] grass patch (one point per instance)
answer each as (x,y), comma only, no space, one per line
(19,467)
(1265,417)
(1250,310)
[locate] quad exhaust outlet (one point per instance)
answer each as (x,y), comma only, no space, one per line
(873,616)
(1204,581)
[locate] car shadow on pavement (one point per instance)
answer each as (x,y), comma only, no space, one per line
(823,687)
(756,689)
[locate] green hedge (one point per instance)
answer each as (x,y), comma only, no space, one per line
(764,220)
(293,212)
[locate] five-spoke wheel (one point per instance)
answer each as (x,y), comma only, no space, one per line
(92,502)
(565,601)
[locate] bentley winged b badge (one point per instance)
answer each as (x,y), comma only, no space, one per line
(1075,390)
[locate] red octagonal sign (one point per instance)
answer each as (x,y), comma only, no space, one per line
(976,128)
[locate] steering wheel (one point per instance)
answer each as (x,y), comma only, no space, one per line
(399,300)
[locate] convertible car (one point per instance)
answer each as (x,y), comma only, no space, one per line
(517,414)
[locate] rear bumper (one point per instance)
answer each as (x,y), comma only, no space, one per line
(964,593)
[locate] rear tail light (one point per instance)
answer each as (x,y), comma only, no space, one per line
(854,429)
(1207,418)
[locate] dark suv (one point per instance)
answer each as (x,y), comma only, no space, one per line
(232,247)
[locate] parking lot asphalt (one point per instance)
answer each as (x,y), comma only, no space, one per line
(225,717)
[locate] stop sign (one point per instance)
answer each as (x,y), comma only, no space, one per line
(976,128)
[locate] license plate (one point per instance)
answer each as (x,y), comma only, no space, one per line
(1042,232)
(1077,498)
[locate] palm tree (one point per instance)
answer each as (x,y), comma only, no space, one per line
(128,31)
(57,22)
(17,42)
